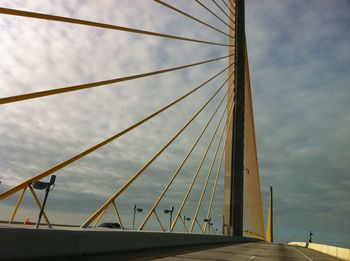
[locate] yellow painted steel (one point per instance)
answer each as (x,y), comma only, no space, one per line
(214,188)
(118,216)
(182,163)
(227,211)
(253,216)
(269,228)
(184,223)
(247,233)
(195,177)
(73,88)
(140,171)
(214,14)
(207,180)
(17,205)
(199,225)
(253,221)
(37,201)
(99,217)
(191,17)
(77,157)
(222,10)
(228,8)
(55,18)
(217,176)
(158,219)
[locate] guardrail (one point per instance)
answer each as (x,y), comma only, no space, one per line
(25,243)
(338,252)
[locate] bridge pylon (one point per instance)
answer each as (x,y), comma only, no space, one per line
(242,197)
(269,227)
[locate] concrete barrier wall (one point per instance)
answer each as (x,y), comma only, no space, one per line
(23,244)
(338,252)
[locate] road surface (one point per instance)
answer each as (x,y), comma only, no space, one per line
(259,251)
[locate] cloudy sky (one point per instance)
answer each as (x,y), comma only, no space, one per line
(300,71)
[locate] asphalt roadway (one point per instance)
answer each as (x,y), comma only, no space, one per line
(222,252)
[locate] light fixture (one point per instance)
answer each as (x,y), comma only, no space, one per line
(48,186)
(170,212)
(186,219)
(210,224)
(136,209)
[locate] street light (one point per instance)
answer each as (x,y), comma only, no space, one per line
(136,209)
(207,220)
(223,228)
(211,226)
(186,219)
(310,236)
(48,186)
(169,211)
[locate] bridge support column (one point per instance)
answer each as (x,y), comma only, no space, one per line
(234,161)
(269,228)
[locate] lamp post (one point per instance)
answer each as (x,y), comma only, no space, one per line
(136,209)
(170,212)
(223,225)
(310,236)
(48,186)
(186,219)
(207,220)
(211,226)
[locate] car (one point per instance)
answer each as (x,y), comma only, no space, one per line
(110,225)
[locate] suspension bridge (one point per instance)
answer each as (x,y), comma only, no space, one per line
(226,133)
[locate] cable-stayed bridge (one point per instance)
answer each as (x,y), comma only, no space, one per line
(226,132)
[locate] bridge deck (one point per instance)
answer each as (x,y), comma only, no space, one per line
(253,251)
(69,243)
(237,252)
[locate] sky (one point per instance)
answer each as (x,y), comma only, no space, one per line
(300,71)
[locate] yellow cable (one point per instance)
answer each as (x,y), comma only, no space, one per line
(209,173)
(191,17)
(182,164)
(42,16)
(195,176)
(214,14)
(222,10)
(75,158)
(141,170)
(39,94)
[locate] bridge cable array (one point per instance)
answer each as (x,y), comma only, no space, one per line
(152,210)
(56,18)
(223,11)
(100,83)
(214,14)
(194,219)
(228,8)
(105,142)
(141,170)
(228,111)
(192,17)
